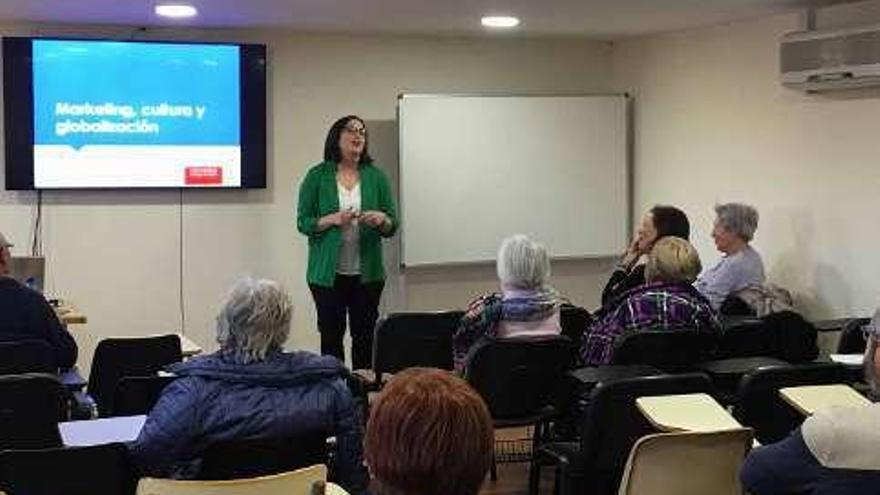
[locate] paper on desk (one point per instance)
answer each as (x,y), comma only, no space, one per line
(848,359)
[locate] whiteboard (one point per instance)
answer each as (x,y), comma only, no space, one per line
(476,169)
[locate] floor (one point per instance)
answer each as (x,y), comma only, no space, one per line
(513,478)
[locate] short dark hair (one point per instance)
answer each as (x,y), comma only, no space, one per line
(332,153)
(429,433)
(670,221)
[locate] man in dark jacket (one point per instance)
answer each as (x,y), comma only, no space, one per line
(836,451)
(25,315)
(251,389)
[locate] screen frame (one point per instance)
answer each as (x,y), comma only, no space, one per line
(18,108)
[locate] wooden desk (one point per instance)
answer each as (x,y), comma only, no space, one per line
(187,347)
(686,412)
(70,315)
(810,399)
(101,431)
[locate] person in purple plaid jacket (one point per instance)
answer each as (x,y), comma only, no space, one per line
(668,301)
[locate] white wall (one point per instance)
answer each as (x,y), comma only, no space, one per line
(712,124)
(116,255)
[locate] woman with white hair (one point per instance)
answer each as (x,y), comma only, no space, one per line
(741,265)
(524,308)
(250,389)
(666,302)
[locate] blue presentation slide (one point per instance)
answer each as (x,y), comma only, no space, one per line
(110,113)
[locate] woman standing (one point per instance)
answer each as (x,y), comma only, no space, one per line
(345,208)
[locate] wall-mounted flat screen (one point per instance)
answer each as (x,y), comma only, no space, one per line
(133,114)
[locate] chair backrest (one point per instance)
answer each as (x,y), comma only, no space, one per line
(118,358)
(296,482)
(574,320)
(612,422)
(96,470)
(795,337)
(669,350)
(138,394)
(687,463)
(746,337)
(248,458)
(32,405)
(851,339)
(758,402)
(404,340)
(518,377)
(26,356)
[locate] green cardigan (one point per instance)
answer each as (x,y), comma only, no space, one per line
(318,196)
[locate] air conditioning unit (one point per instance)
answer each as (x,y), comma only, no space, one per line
(831,60)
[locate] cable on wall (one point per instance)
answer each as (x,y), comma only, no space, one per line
(37,239)
(180,266)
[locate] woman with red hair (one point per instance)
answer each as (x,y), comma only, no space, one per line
(429,433)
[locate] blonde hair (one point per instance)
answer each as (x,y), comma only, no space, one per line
(673,259)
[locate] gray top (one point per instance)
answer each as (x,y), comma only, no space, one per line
(733,272)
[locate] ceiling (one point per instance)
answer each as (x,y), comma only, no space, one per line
(605,19)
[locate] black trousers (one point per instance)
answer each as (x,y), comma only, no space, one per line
(360,303)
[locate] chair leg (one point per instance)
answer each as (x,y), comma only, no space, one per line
(534,475)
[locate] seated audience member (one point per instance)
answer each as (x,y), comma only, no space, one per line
(429,434)
(659,222)
(25,315)
(741,265)
(667,302)
(251,389)
(835,451)
(525,307)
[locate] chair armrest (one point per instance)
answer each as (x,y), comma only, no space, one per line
(82,406)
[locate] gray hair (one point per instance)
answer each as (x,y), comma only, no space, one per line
(522,263)
(254,320)
(739,218)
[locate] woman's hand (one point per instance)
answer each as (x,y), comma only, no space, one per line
(338,219)
(375,218)
(631,255)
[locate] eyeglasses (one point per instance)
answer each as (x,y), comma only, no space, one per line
(360,131)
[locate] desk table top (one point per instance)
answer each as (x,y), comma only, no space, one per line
(686,412)
(809,399)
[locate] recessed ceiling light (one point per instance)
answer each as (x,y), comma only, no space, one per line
(499,21)
(176,10)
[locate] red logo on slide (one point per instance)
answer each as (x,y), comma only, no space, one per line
(203,176)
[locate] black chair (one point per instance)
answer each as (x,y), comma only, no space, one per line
(745,337)
(610,426)
(574,320)
(404,340)
(249,458)
(138,394)
(520,380)
(672,351)
(118,358)
(851,339)
(32,405)
(758,402)
(795,337)
(745,345)
(26,356)
(97,470)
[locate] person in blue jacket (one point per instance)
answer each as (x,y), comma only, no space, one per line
(836,451)
(251,388)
